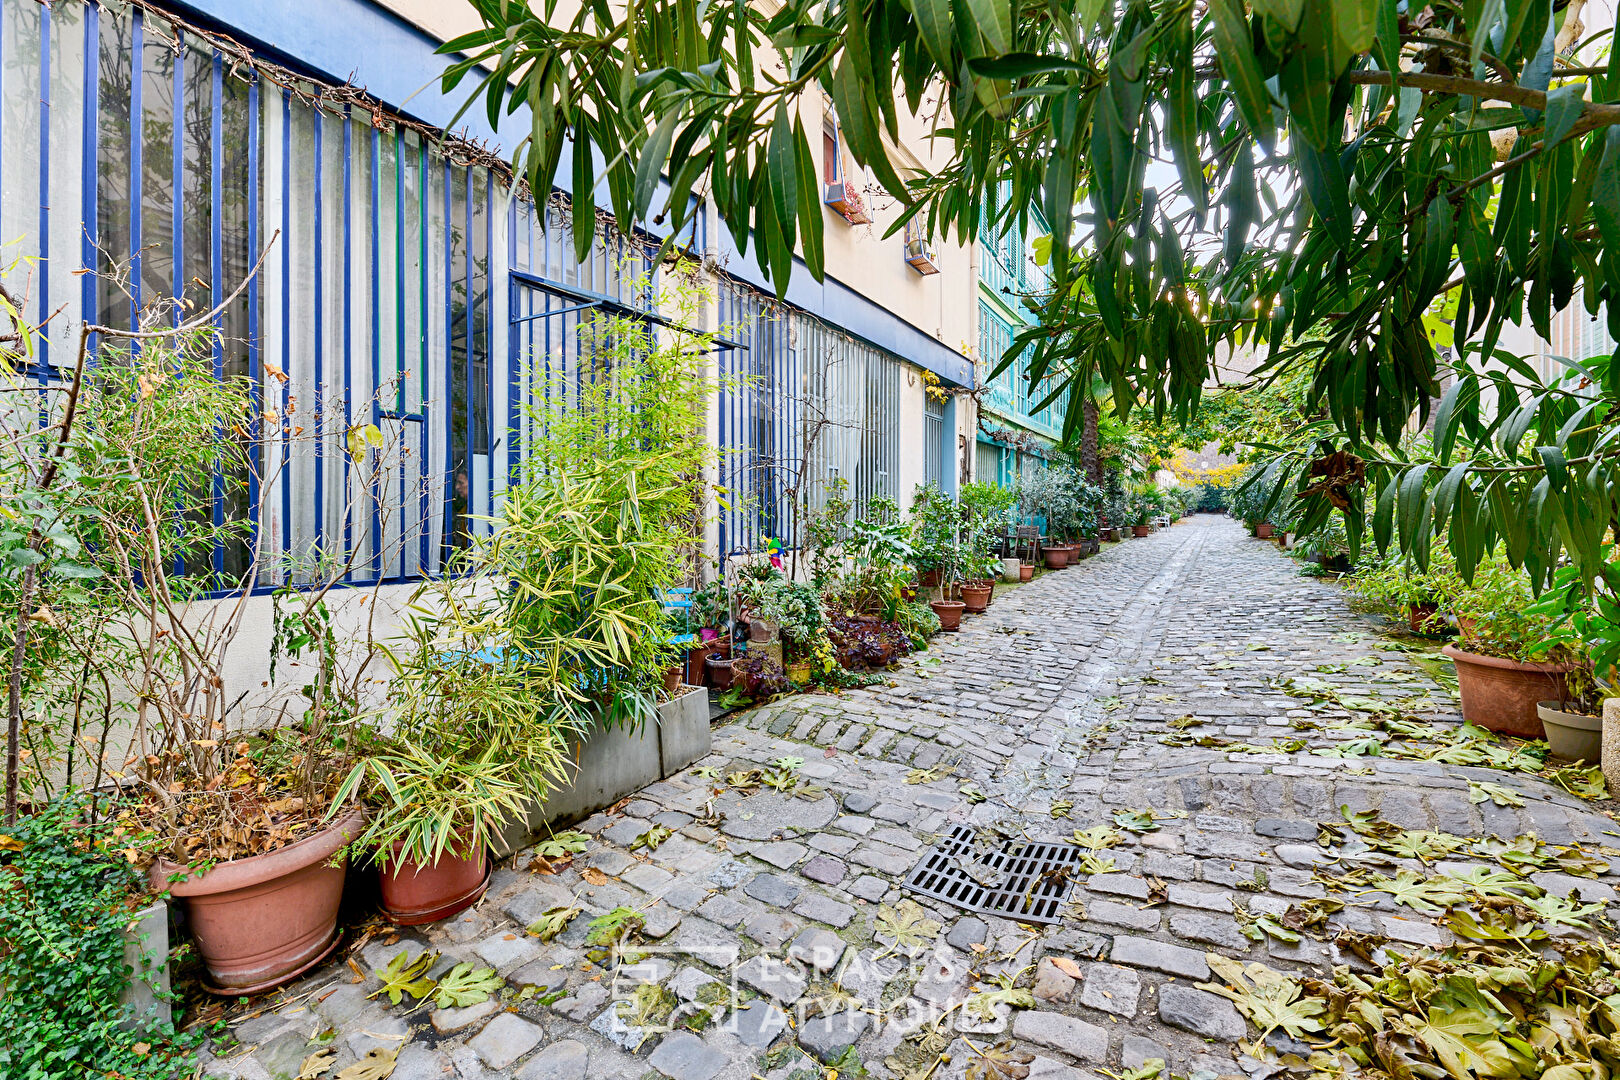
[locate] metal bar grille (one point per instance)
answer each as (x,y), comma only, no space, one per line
(1025,880)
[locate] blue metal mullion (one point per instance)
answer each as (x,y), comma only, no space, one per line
(177,171)
(216,259)
(348,329)
(511,351)
(447,477)
(137,78)
(399,324)
(88,207)
(467,350)
(255,430)
(424,555)
(320,323)
(376,344)
(286,480)
(44,362)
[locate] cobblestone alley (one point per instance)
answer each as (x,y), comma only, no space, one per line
(1165,704)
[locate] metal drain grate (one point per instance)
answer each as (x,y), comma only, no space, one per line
(1016,879)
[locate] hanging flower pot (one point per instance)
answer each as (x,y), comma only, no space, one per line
(414,893)
(976,596)
(949,612)
(266,919)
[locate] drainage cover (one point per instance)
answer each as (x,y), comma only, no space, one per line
(1019,879)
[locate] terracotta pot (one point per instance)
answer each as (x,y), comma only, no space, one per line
(695,673)
(909,592)
(799,672)
(1026,571)
(1501,695)
(976,597)
(1263,530)
(928,579)
(719,670)
(1056,557)
(672,680)
(263,920)
(1571,735)
(1418,616)
(413,894)
(949,612)
(760,631)
(1141,530)
(1465,627)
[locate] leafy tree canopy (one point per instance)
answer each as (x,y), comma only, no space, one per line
(1318,181)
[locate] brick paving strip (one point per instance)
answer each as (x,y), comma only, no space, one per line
(1061,693)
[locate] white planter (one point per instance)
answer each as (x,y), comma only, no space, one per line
(1009,569)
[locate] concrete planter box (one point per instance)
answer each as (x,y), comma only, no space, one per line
(146,953)
(613,763)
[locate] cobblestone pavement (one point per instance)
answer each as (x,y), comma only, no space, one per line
(1058,699)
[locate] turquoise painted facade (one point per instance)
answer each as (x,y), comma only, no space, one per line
(1007,273)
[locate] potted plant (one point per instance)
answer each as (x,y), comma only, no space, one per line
(718,669)
(709,618)
(1026,571)
(947,608)
(1140,511)
(1512,657)
(434,812)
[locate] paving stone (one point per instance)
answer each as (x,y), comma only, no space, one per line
(583,1003)
(827,1037)
(869,887)
(1299,829)
(1078,1039)
(859,802)
(415,1062)
(1194,897)
(446,1021)
(772,890)
(773,978)
(1052,984)
(1137,1050)
(825,869)
(770,928)
(724,911)
(818,949)
(1126,915)
(782,854)
(1213,929)
(1119,885)
(768,816)
(757,1023)
(1199,1012)
(566,1059)
(505,1039)
(966,933)
(1160,956)
(507,952)
(1112,989)
(684,1056)
(825,910)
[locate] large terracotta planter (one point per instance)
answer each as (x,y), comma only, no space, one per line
(1056,557)
(1263,530)
(262,921)
(976,597)
(949,612)
(1141,530)
(1501,695)
(413,894)
(1575,736)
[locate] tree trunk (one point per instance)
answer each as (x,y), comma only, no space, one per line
(1090,459)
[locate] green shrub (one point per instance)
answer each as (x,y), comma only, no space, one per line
(64,902)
